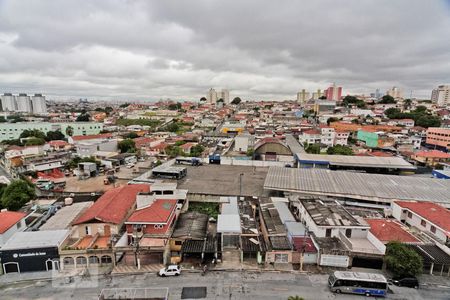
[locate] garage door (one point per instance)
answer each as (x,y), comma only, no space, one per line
(151,258)
(365,262)
(11,268)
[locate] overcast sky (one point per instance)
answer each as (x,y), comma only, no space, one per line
(117,49)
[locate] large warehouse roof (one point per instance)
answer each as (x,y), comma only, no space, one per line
(362,186)
(359,161)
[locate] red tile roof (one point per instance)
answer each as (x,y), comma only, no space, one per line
(58,143)
(433,154)
(312,131)
(114,205)
(432,212)
(8,219)
(92,137)
(389,230)
(298,243)
(158,212)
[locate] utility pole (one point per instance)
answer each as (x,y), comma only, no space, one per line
(240,184)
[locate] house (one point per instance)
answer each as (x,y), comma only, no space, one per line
(94,137)
(387,230)
(431,158)
(439,138)
(59,145)
(187,147)
(427,217)
(10,223)
(99,227)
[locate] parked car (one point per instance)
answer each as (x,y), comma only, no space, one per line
(411,282)
(171,270)
(130,165)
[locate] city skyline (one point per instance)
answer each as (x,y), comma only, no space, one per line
(148,50)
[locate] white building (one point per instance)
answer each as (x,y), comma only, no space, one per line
(23,102)
(39,104)
(243,142)
(395,92)
(441,95)
(225,96)
(9,102)
(211,97)
(427,217)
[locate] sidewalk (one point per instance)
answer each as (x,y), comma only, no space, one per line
(431,280)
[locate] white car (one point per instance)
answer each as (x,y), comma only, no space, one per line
(130,165)
(172,270)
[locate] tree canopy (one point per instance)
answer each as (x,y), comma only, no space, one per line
(84,117)
(236,100)
(340,150)
(175,106)
(17,194)
(420,115)
(352,100)
(197,150)
(387,99)
(54,135)
(313,149)
(36,133)
(403,261)
(127,146)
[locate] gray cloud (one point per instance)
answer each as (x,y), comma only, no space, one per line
(123,49)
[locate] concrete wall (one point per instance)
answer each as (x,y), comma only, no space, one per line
(376,242)
(253,163)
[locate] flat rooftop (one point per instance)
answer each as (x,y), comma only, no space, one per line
(223,180)
(329,213)
(35,239)
(358,186)
(64,217)
(357,161)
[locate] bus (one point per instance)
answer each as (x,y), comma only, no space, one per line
(368,284)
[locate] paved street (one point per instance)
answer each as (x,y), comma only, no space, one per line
(220,285)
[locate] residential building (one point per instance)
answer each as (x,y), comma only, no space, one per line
(224,94)
(326,136)
(441,95)
(303,96)
(243,142)
(438,137)
(24,103)
(387,230)
(9,102)
(431,158)
(10,131)
(395,92)
(317,94)
(425,216)
(324,106)
(10,223)
(211,97)
(333,93)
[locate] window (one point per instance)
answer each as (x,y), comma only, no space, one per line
(87,230)
(281,258)
(19,224)
(178,243)
(423,223)
(409,214)
(348,233)
(328,232)
(433,229)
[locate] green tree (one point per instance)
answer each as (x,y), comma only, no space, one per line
(402,261)
(322,98)
(174,151)
(175,106)
(54,135)
(250,152)
(127,146)
(236,101)
(387,99)
(392,113)
(84,117)
(32,141)
(203,99)
(313,149)
(295,298)
(428,121)
(131,135)
(124,105)
(69,130)
(17,194)
(173,127)
(340,150)
(331,120)
(407,103)
(197,150)
(32,133)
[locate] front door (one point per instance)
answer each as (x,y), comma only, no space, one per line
(107,230)
(49,265)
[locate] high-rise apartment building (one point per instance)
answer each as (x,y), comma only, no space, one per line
(225,96)
(9,102)
(303,96)
(39,104)
(441,95)
(23,102)
(333,92)
(317,94)
(395,92)
(211,97)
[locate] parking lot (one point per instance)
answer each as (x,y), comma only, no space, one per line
(95,184)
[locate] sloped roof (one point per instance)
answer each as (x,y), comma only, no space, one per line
(91,137)
(8,219)
(113,206)
(390,230)
(432,212)
(158,212)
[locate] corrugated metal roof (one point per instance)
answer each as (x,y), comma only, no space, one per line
(359,161)
(35,239)
(228,224)
(373,187)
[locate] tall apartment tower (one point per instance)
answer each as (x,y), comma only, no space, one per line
(39,105)
(441,95)
(317,94)
(303,96)
(333,92)
(225,95)
(211,96)
(23,102)
(395,92)
(9,102)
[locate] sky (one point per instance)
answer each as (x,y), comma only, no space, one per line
(258,49)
